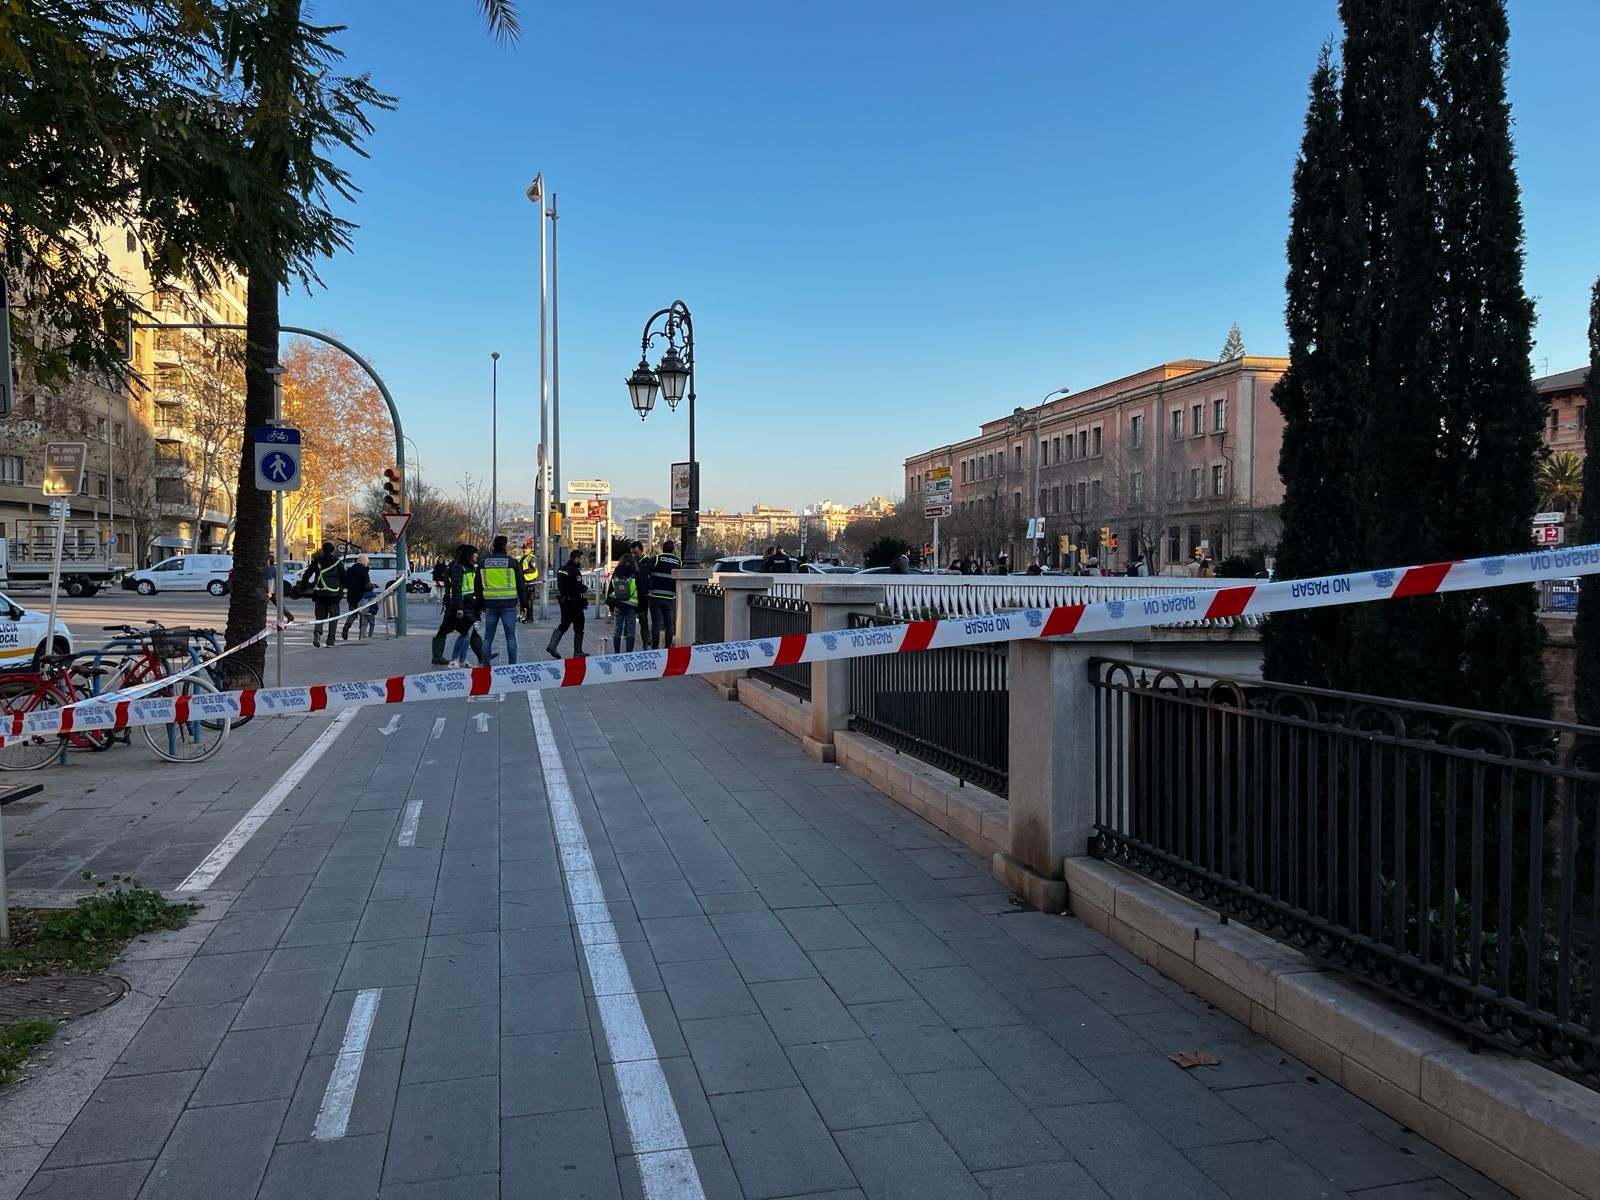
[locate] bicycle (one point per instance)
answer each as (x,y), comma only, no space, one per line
(146,654)
(53,682)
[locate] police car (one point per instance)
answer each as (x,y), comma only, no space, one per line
(22,634)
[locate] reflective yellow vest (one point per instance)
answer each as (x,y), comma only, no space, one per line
(530,567)
(499,578)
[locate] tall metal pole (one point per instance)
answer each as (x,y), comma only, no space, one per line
(277,503)
(555,378)
(111,484)
(541,502)
(494,442)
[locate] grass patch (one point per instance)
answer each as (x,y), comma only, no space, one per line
(19,1041)
(82,940)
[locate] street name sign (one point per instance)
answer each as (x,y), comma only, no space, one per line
(277,458)
(594,487)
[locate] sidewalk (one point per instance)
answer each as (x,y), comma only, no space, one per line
(641,945)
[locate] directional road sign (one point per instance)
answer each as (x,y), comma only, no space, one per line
(277,458)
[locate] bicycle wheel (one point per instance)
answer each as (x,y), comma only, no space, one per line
(234,675)
(187,741)
(28,754)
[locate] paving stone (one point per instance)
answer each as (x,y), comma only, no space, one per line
(1246,1059)
(386,920)
(459,981)
(1045,1181)
(548,1072)
(395,963)
(114,1181)
(907,1162)
(683,939)
(1006,965)
(1080,1026)
(779,1145)
(558,1154)
(475,1187)
(852,894)
(125,1119)
(910,945)
(664,898)
(373,1108)
(711,988)
(767,956)
(862,976)
(756,920)
(537,951)
(1264,1169)
(271,891)
(240,931)
(821,929)
(1170,1101)
(390,1027)
(288,998)
(1029,1062)
(216,979)
(341,902)
(649,866)
(1333,1144)
(713,877)
(255,1064)
(443,1131)
(318,933)
(711,1164)
(788,889)
(176,1039)
(1127,1158)
(737,1054)
(533,909)
(804,1010)
(457,1044)
(333,1170)
(660,1022)
(851,1085)
(470,920)
(831,870)
(306,958)
(876,912)
(695,1118)
(963,998)
(1046,934)
(1111,986)
(216,1152)
(732,902)
(984,1123)
(542,1003)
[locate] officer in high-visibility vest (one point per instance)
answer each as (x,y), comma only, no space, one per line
(528,564)
(460,611)
(502,589)
(663,595)
(325,572)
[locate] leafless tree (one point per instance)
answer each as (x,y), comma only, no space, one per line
(210,385)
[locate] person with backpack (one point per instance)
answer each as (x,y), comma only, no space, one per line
(323,580)
(622,597)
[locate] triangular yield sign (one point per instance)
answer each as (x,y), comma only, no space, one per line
(397,522)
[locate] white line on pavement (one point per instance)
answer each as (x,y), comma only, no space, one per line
(333,1118)
(408,822)
(394,724)
(438,728)
(666,1167)
(216,862)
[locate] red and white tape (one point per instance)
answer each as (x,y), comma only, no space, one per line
(1359,587)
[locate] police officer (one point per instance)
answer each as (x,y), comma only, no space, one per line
(573,597)
(528,564)
(325,572)
(663,596)
(502,590)
(460,608)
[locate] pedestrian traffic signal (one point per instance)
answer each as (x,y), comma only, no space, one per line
(391,489)
(1113,541)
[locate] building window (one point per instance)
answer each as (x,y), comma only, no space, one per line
(100,428)
(1044,452)
(1219,415)
(1018,457)
(1055,499)
(1555,420)
(1194,483)
(1177,423)
(10,468)
(119,434)
(1172,486)
(1199,425)
(1136,432)
(1083,443)
(1097,443)
(1581,416)
(1217,480)
(1174,548)
(1083,496)
(1058,450)
(100,482)
(1136,486)
(1044,502)
(1094,493)
(1016,501)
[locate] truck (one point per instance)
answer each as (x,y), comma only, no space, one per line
(28,558)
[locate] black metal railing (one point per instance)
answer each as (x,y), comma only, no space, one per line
(947,707)
(773,617)
(709,620)
(1448,856)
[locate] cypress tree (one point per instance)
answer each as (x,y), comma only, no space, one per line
(1319,392)
(1586,633)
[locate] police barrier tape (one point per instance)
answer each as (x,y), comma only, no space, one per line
(1327,591)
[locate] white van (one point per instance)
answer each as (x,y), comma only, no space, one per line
(184,573)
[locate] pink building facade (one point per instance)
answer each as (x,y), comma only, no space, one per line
(1174,460)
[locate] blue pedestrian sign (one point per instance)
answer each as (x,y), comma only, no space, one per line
(277,458)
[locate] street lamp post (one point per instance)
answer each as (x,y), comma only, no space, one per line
(541,495)
(494,443)
(1019,421)
(672,375)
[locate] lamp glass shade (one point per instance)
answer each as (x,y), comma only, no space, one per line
(674,373)
(642,386)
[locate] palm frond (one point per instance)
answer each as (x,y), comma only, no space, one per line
(501,17)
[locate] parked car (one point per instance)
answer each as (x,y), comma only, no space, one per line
(382,564)
(183,573)
(739,562)
(890,571)
(828,569)
(22,634)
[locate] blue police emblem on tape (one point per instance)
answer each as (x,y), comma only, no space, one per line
(1035,618)
(1384,579)
(766,648)
(605,666)
(831,641)
(1494,566)
(1116,608)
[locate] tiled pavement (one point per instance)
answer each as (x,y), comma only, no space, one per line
(843,1003)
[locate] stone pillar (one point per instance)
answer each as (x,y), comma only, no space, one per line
(684,581)
(736,592)
(831,606)
(1052,746)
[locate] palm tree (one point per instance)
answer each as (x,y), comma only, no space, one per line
(1561,482)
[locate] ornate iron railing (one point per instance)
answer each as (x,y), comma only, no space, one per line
(1450,857)
(947,707)
(709,617)
(773,617)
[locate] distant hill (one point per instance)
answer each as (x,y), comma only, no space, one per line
(623,507)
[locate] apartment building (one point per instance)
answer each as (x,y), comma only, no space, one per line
(1173,460)
(1569,415)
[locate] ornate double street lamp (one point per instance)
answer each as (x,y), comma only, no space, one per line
(674,376)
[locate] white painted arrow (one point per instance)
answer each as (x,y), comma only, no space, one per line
(394,724)
(483,720)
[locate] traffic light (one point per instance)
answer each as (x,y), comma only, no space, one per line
(557,511)
(391,489)
(1105,535)
(1113,541)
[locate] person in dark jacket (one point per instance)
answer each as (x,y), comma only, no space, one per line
(572,596)
(663,595)
(464,602)
(501,590)
(323,581)
(357,582)
(781,563)
(622,597)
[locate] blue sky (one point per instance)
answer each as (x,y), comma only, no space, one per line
(890,220)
